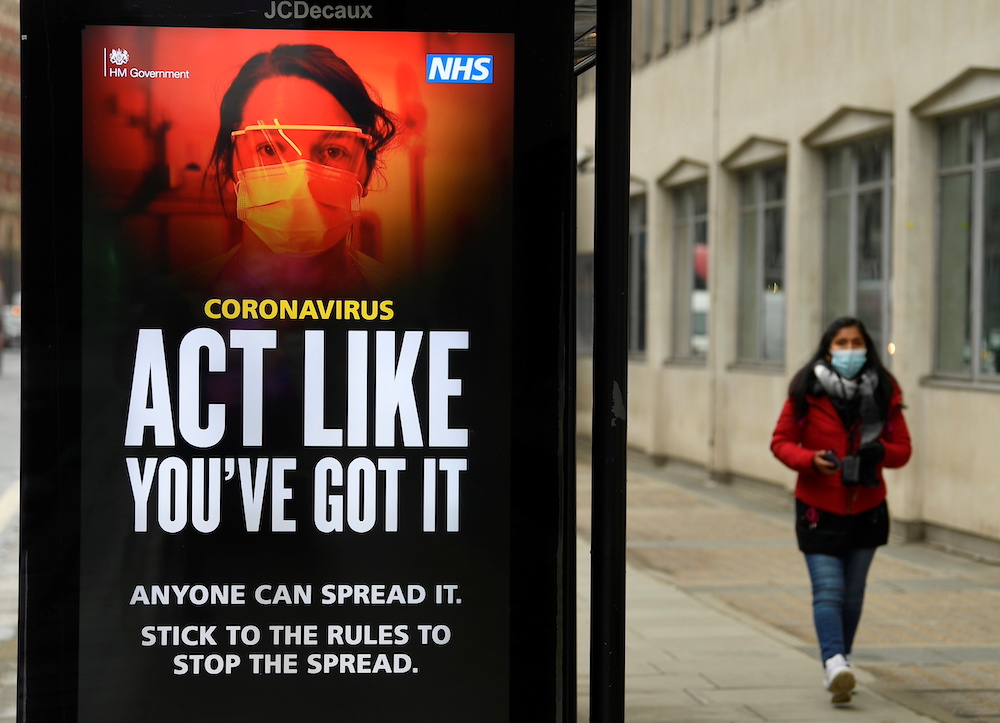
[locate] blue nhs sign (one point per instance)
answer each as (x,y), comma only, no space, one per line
(459,68)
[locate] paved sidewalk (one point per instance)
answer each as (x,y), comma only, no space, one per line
(719,621)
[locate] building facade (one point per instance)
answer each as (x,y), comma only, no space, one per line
(794,161)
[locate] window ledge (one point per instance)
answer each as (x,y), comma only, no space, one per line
(965,385)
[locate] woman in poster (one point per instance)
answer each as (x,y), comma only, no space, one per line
(300,137)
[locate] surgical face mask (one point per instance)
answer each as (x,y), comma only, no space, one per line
(299,208)
(298,186)
(848,362)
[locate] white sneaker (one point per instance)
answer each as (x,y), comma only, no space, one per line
(839,679)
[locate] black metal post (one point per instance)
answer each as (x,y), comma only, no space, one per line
(614,92)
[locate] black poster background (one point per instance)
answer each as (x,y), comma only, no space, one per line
(492,262)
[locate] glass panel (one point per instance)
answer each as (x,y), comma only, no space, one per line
(953,347)
(835,270)
(637,274)
(749,292)
(700,278)
(699,294)
(585,304)
(774,184)
(691,287)
(638,283)
(956,142)
(774,285)
(990,353)
(838,168)
(666,32)
(871,157)
(699,194)
(748,190)
(993,134)
(870,274)
(648,26)
(683,261)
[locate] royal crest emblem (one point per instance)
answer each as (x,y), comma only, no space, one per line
(118,56)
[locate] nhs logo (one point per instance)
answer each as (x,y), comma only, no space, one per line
(459,68)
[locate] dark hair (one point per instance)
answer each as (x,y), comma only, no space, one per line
(802,381)
(311,62)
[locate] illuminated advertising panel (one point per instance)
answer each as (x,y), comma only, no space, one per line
(292,306)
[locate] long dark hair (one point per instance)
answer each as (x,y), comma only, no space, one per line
(311,62)
(802,382)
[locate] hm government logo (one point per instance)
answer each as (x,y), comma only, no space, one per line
(300,9)
(118,56)
(115,60)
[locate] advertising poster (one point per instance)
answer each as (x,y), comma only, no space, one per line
(294,491)
(296,314)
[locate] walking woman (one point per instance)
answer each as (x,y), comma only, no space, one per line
(842,423)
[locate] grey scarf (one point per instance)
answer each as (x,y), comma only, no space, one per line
(843,391)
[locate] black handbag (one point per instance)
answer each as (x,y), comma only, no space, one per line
(824,533)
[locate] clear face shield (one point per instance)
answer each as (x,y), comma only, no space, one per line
(298,186)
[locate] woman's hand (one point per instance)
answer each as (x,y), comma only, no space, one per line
(823,465)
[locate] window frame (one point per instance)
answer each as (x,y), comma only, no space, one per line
(974,314)
(687,21)
(684,227)
(758,208)
(666,26)
(853,191)
(645,34)
(638,240)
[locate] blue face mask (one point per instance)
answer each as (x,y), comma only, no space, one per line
(848,362)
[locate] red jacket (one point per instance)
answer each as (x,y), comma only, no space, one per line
(796,441)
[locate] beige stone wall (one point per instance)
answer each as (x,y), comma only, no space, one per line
(799,74)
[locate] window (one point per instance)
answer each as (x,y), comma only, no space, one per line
(968,269)
(585,283)
(637,274)
(585,304)
(858,219)
(666,29)
(709,14)
(761,335)
(644,35)
(690,339)
(686,20)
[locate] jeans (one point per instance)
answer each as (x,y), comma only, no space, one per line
(838,585)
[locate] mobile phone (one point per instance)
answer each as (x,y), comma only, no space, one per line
(831,456)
